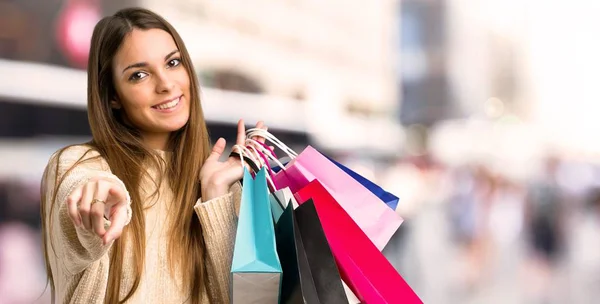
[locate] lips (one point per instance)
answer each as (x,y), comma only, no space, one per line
(168,104)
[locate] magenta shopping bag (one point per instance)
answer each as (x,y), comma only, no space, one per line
(362,266)
(371,214)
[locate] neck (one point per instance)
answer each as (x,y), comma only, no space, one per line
(156,141)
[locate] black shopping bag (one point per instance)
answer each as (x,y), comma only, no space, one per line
(310,274)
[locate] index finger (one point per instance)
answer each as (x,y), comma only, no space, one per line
(117,223)
(241,135)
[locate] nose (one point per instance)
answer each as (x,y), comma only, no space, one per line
(164,84)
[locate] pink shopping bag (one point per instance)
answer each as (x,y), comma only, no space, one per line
(371,214)
(362,266)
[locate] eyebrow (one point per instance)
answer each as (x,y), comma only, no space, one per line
(143,64)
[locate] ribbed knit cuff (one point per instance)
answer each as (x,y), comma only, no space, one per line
(88,246)
(216,215)
(219,222)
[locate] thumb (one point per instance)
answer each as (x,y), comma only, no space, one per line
(117,223)
(217,150)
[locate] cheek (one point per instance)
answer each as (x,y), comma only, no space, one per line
(135,101)
(183,80)
(138,97)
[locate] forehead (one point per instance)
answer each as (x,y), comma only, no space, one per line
(144,46)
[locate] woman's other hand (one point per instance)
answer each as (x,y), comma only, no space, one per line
(217,177)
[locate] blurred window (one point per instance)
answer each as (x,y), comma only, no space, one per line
(51,31)
(230,81)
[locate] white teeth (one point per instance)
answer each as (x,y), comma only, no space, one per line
(168,105)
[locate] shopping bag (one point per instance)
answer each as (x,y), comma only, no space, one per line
(255,271)
(363,267)
(285,197)
(310,272)
(388,198)
(280,199)
(323,267)
(297,285)
(375,218)
(276,207)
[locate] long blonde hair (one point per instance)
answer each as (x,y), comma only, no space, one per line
(121,146)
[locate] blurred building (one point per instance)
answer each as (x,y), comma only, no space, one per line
(563,62)
(423,72)
(334,66)
(463,77)
(459,59)
(307,69)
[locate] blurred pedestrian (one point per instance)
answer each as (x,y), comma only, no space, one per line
(545,220)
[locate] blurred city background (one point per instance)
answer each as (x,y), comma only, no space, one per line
(479,114)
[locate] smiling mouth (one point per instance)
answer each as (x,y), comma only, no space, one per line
(168,105)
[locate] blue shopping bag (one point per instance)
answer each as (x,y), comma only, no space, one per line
(255,271)
(389,199)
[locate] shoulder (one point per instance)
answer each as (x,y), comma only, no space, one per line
(83,155)
(76,151)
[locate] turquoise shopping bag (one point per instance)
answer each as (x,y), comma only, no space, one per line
(255,271)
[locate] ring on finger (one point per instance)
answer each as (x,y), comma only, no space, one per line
(97,201)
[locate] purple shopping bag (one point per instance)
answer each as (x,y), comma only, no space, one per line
(370,213)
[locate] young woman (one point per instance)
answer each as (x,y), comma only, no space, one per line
(145,212)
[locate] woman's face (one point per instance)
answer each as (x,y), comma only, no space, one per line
(153,87)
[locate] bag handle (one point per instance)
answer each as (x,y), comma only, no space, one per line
(243,149)
(262,150)
(268,148)
(264,162)
(270,137)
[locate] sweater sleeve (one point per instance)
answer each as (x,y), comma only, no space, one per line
(219,221)
(75,247)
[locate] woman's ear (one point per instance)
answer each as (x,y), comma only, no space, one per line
(115,104)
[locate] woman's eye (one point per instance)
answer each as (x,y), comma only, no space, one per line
(137,76)
(174,62)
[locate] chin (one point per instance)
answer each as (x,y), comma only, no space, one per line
(177,124)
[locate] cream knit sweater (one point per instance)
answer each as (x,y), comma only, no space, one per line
(80,262)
